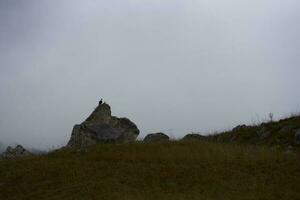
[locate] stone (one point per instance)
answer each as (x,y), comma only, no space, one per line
(297,137)
(156,137)
(193,136)
(102,127)
(16,152)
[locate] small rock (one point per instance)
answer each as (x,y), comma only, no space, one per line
(156,137)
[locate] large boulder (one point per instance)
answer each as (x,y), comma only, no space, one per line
(102,127)
(18,151)
(156,137)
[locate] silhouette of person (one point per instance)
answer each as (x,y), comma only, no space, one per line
(100,102)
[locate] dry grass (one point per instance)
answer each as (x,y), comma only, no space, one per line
(175,170)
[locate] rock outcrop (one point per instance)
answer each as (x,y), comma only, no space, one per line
(156,137)
(102,127)
(18,151)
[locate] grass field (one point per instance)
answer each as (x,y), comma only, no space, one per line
(174,170)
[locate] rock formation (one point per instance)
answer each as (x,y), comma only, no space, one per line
(18,151)
(156,137)
(102,127)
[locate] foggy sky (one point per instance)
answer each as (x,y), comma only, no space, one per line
(168,65)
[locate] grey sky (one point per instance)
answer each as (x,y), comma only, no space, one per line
(169,65)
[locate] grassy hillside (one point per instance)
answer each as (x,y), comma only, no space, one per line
(280,134)
(175,170)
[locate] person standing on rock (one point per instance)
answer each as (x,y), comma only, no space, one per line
(100,102)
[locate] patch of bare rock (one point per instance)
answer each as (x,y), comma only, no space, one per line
(102,127)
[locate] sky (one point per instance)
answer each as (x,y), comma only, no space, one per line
(168,65)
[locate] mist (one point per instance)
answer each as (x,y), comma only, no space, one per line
(168,65)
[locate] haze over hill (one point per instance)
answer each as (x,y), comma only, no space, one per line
(169,65)
(2,147)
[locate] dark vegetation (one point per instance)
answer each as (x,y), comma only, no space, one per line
(174,170)
(280,134)
(235,165)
